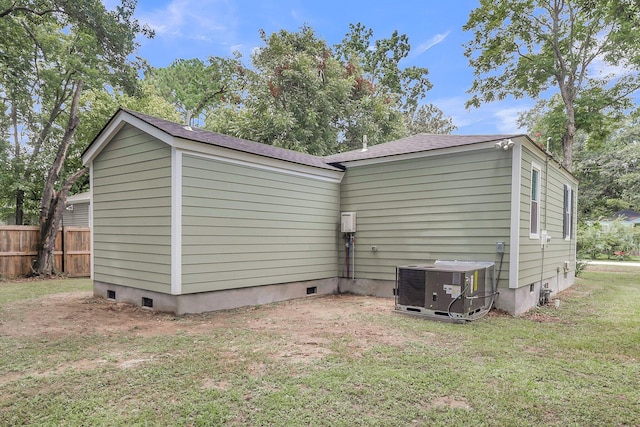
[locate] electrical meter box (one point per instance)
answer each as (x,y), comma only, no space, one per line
(445,289)
(348,222)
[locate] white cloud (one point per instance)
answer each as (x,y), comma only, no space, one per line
(507,119)
(191,19)
(601,69)
(496,117)
(422,48)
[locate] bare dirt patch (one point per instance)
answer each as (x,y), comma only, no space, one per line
(450,402)
(77,313)
(304,328)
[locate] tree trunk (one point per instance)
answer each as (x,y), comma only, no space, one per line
(567,146)
(569,135)
(16,165)
(53,202)
(19,207)
(45,264)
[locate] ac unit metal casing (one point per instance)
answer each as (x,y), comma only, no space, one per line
(445,289)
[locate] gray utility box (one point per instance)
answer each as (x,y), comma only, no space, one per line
(449,289)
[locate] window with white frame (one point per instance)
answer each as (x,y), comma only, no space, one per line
(534,218)
(567,221)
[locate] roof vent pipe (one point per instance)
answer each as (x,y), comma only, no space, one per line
(364,143)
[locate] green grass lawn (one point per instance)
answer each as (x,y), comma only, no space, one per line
(577,365)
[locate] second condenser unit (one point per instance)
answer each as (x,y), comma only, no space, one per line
(447,289)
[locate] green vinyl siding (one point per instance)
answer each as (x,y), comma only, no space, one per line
(132,212)
(77,217)
(449,207)
(552,182)
(245,226)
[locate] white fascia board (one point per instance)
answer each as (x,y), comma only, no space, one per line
(79,198)
(176,221)
(257,161)
(114,127)
(419,154)
(514,241)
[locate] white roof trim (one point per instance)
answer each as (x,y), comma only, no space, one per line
(114,126)
(80,198)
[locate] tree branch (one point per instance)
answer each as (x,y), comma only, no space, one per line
(48,192)
(13,9)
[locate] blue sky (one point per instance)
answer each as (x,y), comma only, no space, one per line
(202,28)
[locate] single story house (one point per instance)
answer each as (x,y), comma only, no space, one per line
(628,218)
(187,220)
(77,210)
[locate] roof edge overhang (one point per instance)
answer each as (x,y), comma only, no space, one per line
(417,154)
(113,126)
(549,156)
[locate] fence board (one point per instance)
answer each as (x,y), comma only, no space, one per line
(19,244)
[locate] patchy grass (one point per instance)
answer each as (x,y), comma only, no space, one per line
(33,288)
(352,362)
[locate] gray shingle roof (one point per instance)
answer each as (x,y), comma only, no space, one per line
(413,144)
(238,144)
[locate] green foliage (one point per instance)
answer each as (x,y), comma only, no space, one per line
(303,95)
(522,48)
(51,49)
(609,173)
(615,239)
(547,120)
(429,119)
(194,86)
(295,94)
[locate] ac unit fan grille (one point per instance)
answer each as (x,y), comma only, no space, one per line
(412,287)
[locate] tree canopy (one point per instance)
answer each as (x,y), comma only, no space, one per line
(52,51)
(300,93)
(610,173)
(524,47)
(194,86)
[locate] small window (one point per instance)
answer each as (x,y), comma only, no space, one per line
(534,219)
(567,221)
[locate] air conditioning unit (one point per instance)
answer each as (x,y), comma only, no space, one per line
(458,290)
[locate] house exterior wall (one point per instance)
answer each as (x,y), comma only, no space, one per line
(548,265)
(131,182)
(450,207)
(198,226)
(78,217)
(246,226)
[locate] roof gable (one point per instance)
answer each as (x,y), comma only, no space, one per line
(168,132)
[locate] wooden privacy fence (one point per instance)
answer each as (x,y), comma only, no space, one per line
(18,250)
